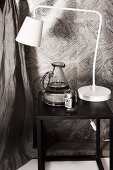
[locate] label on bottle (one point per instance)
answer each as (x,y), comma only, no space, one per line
(68,103)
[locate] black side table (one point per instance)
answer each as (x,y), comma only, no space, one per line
(85,110)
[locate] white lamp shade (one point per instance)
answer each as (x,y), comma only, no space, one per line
(30,32)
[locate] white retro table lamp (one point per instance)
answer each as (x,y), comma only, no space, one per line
(30,34)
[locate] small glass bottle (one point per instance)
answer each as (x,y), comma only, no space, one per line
(70,100)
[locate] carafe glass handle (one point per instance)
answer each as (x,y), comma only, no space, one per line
(48,76)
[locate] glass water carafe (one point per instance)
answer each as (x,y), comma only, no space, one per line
(56,85)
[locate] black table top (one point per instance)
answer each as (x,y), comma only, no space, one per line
(85,110)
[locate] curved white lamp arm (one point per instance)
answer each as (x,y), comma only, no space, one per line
(98,36)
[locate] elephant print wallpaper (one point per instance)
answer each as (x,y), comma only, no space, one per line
(69,37)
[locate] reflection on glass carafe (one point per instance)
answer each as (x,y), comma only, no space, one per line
(54,85)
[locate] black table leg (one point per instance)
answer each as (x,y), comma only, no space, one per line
(41,162)
(98,151)
(111,144)
(98,138)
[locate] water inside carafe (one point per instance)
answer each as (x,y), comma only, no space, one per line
(54,94)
